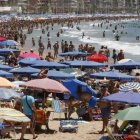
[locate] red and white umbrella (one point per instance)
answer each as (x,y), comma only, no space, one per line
(46,84)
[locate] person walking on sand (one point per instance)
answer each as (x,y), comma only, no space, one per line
(28,107)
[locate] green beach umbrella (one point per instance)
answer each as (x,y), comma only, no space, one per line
(132,113)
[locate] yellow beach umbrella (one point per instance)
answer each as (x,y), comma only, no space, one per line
(4,83)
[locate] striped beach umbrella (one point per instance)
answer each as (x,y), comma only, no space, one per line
(130,86)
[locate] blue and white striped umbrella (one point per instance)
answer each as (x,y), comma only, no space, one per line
(130,86)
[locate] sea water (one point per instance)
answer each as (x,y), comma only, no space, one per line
(94,36)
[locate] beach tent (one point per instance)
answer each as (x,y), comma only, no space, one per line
(6,74)
(112,75)
(24,70)
(9,43)
(127,65)
(72,85)
(6,94)
(86,64)
(124,97)
(74,53)
(5,67)
(53,74)
(45,64)
(27,61)
(49,85)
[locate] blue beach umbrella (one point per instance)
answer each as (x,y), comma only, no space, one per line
(45,64)
(8,43)
(25,70)
(6,94)
(27,61)
(72,86)
(112,75)
(124,97)
(74,53)
(53,74)
(6,51)
(6,74)
(127,65)
(86,64)
(5,67)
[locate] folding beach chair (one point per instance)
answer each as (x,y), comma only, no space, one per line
(57,107)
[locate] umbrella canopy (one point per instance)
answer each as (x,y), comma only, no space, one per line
(112,75)
(5,67)
(130,114)
(6,74)
(74,53)
(46,84)
(9,114)
(98,58)
(4,83)
(2,39)
(126,65)
(6,94)
(44,64)
(72,85)
(9,43)
(128,97)
(24,70)
(86,64)
(27,61)
(53,74)
(76,72)
(6,51)
(124,61)
(130,86)
(18,83)
(29,55)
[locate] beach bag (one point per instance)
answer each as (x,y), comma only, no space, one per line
(68,126)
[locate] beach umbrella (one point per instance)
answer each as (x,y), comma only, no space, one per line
(9,43)
(112,75)
(29,55)
(18,83)
(75,71)
(2,39)
(4,83)
(98,58)
(124,97)
(45,64)
(24,70)
(127,65)
(6,51)
(124,60)
(27,61)
(53,74)
(6,94)
(74,53)
(12,115)
(6,74)
(86,64)
(72,85)
(46,84)
(5,67)
(129,114)
(130,86)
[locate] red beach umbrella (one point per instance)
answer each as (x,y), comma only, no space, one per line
(2,39)
(29,55)
(46,84)
(98,58)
